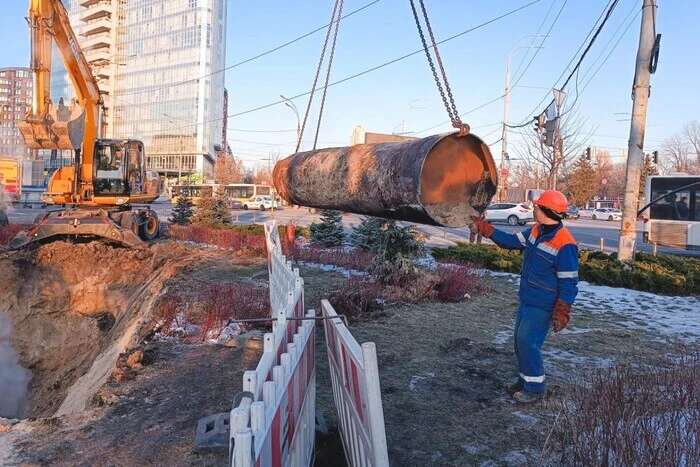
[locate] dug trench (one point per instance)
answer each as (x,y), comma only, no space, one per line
(83,319)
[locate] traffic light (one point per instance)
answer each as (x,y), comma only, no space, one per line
(588,153)
(539,124)
(655,157)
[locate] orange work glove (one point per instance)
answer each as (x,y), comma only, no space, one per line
(561,315)
(482,226)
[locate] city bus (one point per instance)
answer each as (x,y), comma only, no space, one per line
(673,218)
(235,193)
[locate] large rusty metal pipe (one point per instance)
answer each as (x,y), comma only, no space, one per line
(438,180)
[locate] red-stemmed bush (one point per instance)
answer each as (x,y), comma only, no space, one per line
(209,310)
(357,298)
(458,281)
(230,239)
(359,260)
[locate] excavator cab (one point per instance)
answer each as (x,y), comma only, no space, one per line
(119,168)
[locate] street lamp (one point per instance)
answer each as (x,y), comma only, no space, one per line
(506,104)
(288,102)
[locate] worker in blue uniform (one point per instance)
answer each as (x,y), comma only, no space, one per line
(548,287)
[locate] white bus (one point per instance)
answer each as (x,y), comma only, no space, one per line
(673,216)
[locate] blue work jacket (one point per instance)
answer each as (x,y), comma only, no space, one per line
(550,264)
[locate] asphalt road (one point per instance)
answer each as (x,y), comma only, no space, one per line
(587,232)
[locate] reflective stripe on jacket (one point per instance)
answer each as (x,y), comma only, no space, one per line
(550,264)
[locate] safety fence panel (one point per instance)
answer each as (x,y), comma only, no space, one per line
(357,393)
(274,424)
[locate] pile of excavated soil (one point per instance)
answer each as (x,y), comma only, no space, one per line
(76,307)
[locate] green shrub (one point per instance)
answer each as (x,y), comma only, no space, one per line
(329,231)
(660,274)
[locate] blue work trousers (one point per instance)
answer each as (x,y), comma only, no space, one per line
(531,327)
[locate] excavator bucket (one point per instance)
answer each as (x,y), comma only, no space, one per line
(77,223)
(50,133)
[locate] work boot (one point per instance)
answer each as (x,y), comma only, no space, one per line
(524,397)
(515,387)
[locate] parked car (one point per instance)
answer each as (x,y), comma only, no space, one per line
(608,214)
(235,204)
(261,202)
(512,213)
(572,212)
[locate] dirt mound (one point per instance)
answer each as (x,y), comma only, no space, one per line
(75,308)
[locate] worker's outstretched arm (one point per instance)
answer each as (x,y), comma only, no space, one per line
(516,241)
(567,273)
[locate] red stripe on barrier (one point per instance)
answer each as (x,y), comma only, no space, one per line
(275,448)
(356,390)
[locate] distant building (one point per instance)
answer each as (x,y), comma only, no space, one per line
(361,136)
(148,57)
(15,103)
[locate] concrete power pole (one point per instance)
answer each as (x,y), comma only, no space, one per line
(635,153)
(503,181)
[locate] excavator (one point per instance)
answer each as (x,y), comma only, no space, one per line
(108,177)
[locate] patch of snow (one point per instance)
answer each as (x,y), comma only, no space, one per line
(577,359)
(419,379)
(473,449)
(667,315)
(331,267)
(675,316)
(502,337)
(514,458)
(528,419)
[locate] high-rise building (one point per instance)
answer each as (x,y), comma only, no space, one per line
(15,102)
(157,64)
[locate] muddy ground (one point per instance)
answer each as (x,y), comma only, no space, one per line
(78,311)
(444,368)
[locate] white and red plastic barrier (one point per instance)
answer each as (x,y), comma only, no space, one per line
(274,424)
(357,394)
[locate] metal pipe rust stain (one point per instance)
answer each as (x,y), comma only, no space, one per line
(438,180)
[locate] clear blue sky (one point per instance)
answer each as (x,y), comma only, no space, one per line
(403,97)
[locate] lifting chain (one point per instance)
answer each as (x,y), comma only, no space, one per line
(449,106)
(335,22)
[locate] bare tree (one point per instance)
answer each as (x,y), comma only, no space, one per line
(571,138)
(692,135)
(675,154)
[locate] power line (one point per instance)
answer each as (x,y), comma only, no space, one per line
(250,59)
(568,65)
(551,27)
(375,68)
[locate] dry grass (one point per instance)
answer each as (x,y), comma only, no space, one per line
(626,416)
(242,243)
(350,259)
(212,308)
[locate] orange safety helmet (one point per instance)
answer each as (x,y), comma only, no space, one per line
(554,200)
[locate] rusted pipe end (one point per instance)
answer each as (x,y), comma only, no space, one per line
(457,180)
(439,180)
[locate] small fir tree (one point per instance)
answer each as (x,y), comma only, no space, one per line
(582,185)
(329,232)
(367,234)
(212,210)
(182,212)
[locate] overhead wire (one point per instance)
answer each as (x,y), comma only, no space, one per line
(375,68)
(254,57)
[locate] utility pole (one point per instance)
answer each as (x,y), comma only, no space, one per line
(504,135)
(635,153)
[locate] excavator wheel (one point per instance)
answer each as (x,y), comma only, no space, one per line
(149,226)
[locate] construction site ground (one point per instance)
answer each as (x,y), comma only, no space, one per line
(78,312)
(443,366)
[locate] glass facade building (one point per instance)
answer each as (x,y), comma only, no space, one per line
(168,89)
(157,63)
